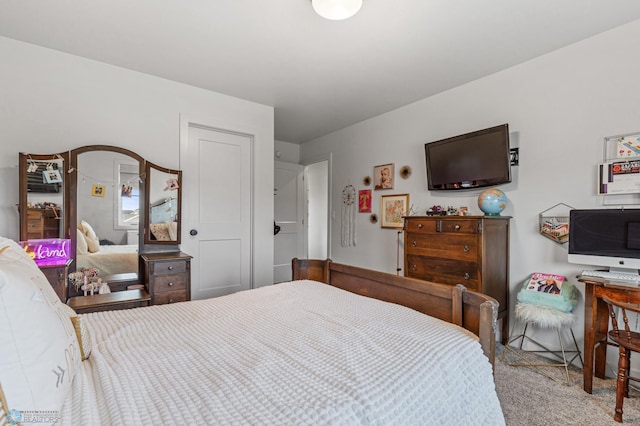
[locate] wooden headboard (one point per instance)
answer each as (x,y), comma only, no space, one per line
(474,311)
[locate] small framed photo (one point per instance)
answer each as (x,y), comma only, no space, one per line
(52,176)
(364,201)
(98,190)
(383,176)
(392,210)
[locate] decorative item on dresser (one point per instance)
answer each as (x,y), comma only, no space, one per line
(471,250)
(168,277)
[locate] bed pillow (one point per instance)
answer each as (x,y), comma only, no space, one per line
(81,243)
(39,353)
(93,242)
(160,231)
(81,330)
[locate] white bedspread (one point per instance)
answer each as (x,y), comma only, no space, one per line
(109,260)
(292,353)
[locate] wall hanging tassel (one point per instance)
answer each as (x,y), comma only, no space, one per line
(348,216)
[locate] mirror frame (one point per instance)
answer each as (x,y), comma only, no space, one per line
(147,212)
(72,189)
(23,195)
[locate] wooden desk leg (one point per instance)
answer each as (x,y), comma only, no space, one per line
(601,327)
(589,320)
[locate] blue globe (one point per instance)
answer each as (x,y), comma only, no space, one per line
(492,201)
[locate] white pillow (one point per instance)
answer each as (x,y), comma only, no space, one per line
(39,354)
(81,243)
(93,242)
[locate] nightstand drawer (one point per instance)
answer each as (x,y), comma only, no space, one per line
(164,283)
(170,297)
(169,267)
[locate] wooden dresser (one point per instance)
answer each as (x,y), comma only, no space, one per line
(43,223)
(468,250)
(167,277)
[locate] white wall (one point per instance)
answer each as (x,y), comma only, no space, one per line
(287,152)
(51,102)
(559,108)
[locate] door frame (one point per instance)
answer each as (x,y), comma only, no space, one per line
(328,157)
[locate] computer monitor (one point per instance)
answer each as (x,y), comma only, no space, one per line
(605,238)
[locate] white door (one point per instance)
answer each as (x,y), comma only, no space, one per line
(288,215)
(217,208)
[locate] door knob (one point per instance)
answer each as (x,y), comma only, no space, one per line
(193,232)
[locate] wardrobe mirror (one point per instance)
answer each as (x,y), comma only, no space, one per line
(162,219)
(106,197)
(41,196)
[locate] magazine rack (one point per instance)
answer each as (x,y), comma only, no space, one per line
(554,223)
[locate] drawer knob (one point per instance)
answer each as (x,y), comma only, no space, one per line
(419,226)
(170,268)
(170,300)
(414,267)
(415,243)
(170,284)
(457,227)
(466,276)
(466,249)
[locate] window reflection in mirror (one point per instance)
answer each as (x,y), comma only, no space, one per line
(127,199)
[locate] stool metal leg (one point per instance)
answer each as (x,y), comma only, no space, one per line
(565,363)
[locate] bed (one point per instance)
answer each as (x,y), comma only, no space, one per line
(309,351)
(111,259)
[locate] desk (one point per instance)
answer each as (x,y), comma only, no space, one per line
(596,323)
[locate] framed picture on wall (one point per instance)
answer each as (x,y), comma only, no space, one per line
(383,176)
(364,201)
(392,210)
(98,190)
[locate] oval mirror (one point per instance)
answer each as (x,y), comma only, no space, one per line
(162,218)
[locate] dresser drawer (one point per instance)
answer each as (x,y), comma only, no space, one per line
(444,271)
(34,214)
(34,226)
(164,283)
(169,267)
(457,246)
(170,297)
(443,225)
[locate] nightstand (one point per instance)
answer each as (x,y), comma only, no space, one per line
(57,277)
(168,277)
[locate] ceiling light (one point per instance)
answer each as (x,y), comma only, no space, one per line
(336,9)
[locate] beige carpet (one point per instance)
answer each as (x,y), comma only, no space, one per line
(530,398)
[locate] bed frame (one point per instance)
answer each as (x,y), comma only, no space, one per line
(474,311)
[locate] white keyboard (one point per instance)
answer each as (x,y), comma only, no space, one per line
(613,276)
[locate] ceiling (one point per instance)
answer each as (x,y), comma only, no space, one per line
(320,75)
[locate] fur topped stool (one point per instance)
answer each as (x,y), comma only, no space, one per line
(547,311)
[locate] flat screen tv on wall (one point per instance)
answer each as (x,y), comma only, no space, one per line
(472,160)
